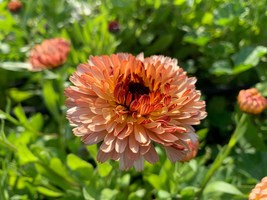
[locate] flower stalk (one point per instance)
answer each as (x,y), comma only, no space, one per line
(237,134)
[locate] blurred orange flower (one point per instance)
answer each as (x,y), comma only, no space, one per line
(14,5)
(251,101)
(130,103)
(50,53)
(259,192)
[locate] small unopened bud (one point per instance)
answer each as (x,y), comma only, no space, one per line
(259,192)
(113,27)
(251,101)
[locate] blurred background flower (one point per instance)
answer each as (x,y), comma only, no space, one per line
(14,5)
(113,26)
(50,53)
(130,102)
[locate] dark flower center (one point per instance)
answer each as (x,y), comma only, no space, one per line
(138,88)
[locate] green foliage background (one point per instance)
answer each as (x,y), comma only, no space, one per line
(221,42)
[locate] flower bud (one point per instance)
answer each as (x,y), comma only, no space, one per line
(251,101)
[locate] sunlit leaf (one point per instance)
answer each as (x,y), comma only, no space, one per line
(81,167)
(247,58)
(109,194)
(25,155)
(221,186)
(48,192)
(104,169)
(15,66)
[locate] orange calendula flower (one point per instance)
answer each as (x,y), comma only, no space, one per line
(259,192)
(50,53)
(14,5)
(130,103)
(251,101)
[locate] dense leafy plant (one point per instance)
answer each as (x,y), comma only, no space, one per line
(221,42)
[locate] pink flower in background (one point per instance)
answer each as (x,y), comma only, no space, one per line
(50,53)
(14,5)
(131,103)
(251,101)
(259,192)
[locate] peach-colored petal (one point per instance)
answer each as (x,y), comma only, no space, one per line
(151,156)
(259,192)
(93,138)
(129,103)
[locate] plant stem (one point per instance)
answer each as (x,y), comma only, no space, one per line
(237,134)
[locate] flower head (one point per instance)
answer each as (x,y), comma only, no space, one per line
(251,101)
(49,54)
(14,5)
(259,192)
(130,103)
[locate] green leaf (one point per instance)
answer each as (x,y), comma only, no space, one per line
(160,44)
(221,186)
(58,167)
(137,195)
(92,149)
(221,67)
(18,95)
(15,66)
(51,98)
(199,37)
(87,195)
(124,181)
(36,121)
(104,169)
(108,194)
(53,176)
(25,155)
(247,58)
(83,169)
(19,112)
(164,195)
(48,192)
(188,192)
(202,133)
(155,181)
